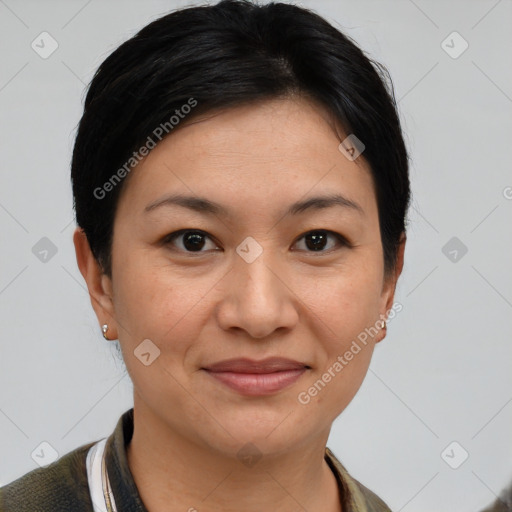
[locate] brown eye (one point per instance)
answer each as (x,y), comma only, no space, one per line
(191,240)
(318,240)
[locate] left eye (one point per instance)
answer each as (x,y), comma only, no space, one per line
(194,240)
(316,240)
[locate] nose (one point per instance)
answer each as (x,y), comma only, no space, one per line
(257,299)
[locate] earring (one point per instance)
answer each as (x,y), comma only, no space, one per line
(104,329)
(383,329)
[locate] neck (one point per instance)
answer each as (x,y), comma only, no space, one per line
(172,473)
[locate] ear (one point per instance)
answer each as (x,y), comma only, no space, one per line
(98,283)
(389,287)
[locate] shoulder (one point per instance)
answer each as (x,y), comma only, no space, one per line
(356,496)
(372,501)
(503,503)
(59,487)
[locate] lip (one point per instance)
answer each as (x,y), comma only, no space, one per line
(257,378)
(245,365)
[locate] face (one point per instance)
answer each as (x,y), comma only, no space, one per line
(252,277)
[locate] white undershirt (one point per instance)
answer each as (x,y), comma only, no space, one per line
(94,475)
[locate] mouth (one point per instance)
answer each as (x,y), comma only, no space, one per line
(257,378)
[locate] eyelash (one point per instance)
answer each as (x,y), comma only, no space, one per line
(342,241)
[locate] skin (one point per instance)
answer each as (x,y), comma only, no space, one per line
(200,308)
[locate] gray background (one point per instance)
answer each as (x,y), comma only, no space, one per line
(442,374)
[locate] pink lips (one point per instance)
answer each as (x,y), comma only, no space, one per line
(254,378)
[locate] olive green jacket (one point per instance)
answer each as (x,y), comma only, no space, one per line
(63,486)
(503,503)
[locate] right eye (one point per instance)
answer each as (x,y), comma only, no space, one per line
(191,240)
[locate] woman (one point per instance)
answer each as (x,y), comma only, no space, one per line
(241,187)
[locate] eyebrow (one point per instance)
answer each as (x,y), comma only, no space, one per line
(203,205)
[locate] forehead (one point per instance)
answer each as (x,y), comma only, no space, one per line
(252,157)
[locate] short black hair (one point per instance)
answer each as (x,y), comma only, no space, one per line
(198,59)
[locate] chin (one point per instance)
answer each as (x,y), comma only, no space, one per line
(271,432)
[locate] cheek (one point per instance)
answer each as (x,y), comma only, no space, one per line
(154,303)
(346,301)
(149,306)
